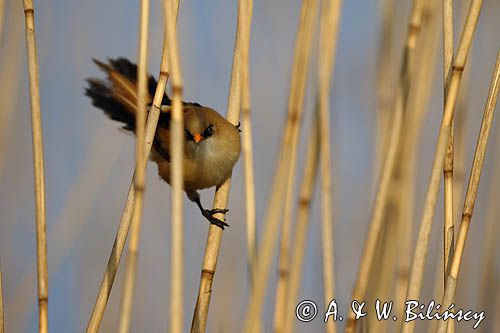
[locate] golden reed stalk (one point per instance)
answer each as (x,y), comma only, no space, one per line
(123,227)
(140,120)
(270,233)
(242,43)
(301,230)
(328,36)
(470,196)
(381,197)
(448,230)
(404,177)
(38,166)
(420,256)
(177,151)
(289,152)
(247,148)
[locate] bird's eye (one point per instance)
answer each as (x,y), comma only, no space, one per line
(208,131)
(188,134)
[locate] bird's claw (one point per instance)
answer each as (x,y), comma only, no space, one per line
(208,214)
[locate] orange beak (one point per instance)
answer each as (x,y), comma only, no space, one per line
(197,137)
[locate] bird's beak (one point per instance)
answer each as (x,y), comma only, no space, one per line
(197,137)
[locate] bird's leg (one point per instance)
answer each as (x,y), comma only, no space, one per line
(208,214)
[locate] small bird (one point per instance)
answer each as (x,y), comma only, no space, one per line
(211,143)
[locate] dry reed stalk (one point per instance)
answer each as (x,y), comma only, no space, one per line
(142,93)
(448,230)
(328,36)
(38,166)
(470,196)
(289,151)
(247,148)
(448,163)
(404,178)
(385,76)
(297,85)
(176,174)
(301,230)
(381,197)
(2,329)
(123,227)
(420,256)
(214,238)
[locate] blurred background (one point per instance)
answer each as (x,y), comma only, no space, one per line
(89,162)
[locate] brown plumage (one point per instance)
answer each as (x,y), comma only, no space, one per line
(211,146)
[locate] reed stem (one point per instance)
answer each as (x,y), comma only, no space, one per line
(329,26)
(142,93)
(38,167)
(449,231)
(289,151)
(381,197)
(247,149)
(470,196)
(270,233)
(302,228)
(420,256)
(214,238)
(176,175)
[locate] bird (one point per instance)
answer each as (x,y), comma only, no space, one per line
(211,143)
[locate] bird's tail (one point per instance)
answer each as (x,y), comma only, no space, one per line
(117,94)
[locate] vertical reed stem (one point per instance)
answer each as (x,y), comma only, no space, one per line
(449,231)
(381,197)
(301,230)
(470,196)
(214,238)
(176,175)
(289,150)
(247,148)
(142,93)
(420,256)
(329,26)
(38,166)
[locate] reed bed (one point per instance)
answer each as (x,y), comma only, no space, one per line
(38,167)
(291,139)
(419,259)
(281,176)
(470,196)
(405,102)
(381,197)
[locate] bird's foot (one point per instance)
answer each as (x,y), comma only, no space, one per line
(208,214)
(238,127)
